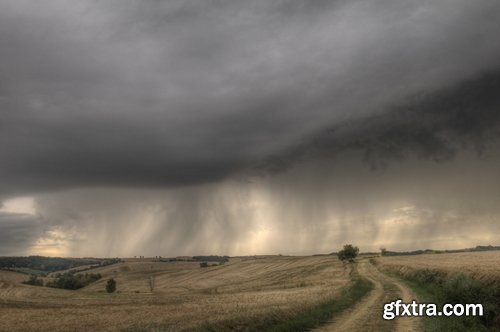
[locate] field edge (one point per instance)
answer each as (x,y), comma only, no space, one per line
(437,287)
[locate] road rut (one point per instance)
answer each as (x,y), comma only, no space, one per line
(367,314)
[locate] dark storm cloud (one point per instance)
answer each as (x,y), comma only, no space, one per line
(433,126)
(18,232)
(150,93)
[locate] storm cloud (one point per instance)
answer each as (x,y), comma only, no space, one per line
(19,232)
(211,119)
(433,126)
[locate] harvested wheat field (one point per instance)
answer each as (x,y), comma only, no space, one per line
(483,265)
(185,296)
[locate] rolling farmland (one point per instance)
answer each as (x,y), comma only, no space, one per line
(247,293)
(185,296)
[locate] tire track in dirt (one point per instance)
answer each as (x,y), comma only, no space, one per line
(367,314)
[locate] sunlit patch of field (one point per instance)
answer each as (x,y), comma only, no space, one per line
(185,296)
(482,265)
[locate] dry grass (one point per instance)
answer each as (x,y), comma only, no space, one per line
(483,266)
(185,295)
(472,277)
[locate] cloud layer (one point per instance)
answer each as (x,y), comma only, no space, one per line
(177,100)
(112,93)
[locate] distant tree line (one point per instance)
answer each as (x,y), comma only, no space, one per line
(73,281)
(385,252)
(176,259)
(211,258)
(69,280)
(51,264)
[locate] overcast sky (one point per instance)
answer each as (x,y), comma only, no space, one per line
(248,127)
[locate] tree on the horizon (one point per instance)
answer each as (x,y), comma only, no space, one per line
(348,253)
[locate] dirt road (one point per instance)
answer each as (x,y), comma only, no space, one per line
(367,314)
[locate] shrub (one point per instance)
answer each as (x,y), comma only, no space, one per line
(111,285)
(33,280)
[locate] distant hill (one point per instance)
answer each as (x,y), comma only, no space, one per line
(41,264)
(432,251)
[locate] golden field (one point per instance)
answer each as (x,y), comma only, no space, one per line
(482,265)
(185,296)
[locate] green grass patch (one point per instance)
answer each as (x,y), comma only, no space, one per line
(432,286)
(321,314)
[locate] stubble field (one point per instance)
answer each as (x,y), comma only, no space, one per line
(483,266)
(243,292)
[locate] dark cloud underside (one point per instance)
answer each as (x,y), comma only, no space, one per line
(432,126)
(18,232)
(166,93)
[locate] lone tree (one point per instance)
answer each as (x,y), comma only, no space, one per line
(349,252)
(111,285)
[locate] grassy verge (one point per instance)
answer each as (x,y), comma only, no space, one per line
(306,320)
(322,313)
(432,286)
